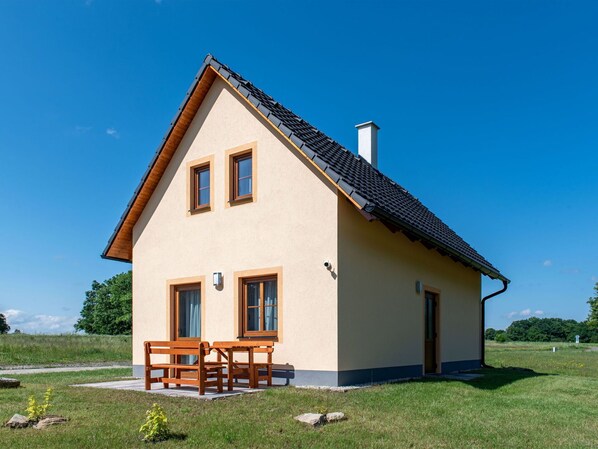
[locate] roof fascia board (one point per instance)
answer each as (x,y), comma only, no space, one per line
(151,165)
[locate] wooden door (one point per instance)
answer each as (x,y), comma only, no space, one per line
(431,332)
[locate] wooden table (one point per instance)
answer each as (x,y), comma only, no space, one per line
(227,350)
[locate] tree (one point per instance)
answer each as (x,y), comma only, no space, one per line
(4,327)
(501,336)
(593,316)
(490,334)
(107,309)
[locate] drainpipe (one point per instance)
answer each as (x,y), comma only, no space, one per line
(505,284)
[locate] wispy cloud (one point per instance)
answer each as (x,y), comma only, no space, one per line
(571,270)
(547,263)
(113,133)
(595,278)
(40,323)
(525,313)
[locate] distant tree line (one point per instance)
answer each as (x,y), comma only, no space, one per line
(551,329)
(545,329)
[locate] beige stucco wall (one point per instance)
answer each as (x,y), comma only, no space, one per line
(292,225)
(380,315)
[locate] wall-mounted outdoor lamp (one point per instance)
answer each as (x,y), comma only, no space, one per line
(418,287)
(217,279)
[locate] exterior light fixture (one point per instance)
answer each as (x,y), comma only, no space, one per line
(217,279)
(418,287)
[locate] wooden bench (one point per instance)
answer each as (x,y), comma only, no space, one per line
(249,370)
(201,373)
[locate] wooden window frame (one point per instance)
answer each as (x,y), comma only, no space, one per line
(241,312)
(196,187)
(236,177)
(193,170)
(261,307)
(233,156)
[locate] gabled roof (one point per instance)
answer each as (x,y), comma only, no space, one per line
(378,196)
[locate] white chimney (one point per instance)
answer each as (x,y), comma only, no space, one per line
(367,142)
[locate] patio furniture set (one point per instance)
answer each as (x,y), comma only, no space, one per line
(201,364)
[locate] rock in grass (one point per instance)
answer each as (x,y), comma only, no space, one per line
(311,419)
(335,416)
(49,421)
(17,421)
(6,382)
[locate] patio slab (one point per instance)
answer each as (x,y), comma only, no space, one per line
(182,392)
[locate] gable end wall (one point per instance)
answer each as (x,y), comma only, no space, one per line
(291,225)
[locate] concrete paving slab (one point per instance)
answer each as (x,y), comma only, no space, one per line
(182,392)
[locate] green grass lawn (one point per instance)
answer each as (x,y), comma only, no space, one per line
(45,350)
(553,407)
(569,358)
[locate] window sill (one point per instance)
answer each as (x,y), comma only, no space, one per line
(241,200)
(258,338)
(199,210)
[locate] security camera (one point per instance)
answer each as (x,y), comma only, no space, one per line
(327,265)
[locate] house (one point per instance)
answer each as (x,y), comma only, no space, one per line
(250,223)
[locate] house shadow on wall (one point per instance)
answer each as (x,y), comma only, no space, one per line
(490,379)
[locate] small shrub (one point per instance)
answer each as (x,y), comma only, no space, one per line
(322,410)
(501,337)
(36,412)
(155,427)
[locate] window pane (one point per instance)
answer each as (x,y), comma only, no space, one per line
(430,318)
(253,294)
(244,187)
(270,293)
(204,178)
(204,196)
(270,301)
(253,319)
(271,318)
(244,167)
(189,313)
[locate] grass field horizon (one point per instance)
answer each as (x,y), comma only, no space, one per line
(62,349)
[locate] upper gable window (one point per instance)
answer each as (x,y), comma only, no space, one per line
(200,184)
(241,174)
(201,188)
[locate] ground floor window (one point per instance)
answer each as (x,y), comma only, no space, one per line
(259,305)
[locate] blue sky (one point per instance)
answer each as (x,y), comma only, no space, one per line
(488,114)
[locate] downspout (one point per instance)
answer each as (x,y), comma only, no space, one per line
(505,284)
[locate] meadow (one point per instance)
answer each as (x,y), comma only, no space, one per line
(67,349)
(534,398)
